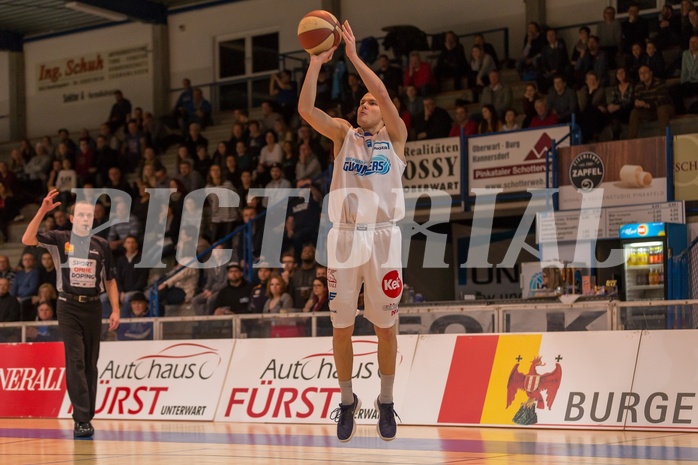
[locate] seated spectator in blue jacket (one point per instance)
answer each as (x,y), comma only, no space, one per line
(26,283)
(139,331)
(45,312)
(199,109)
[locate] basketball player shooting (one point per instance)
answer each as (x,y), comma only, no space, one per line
(369,160)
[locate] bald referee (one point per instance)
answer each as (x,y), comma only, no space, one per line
(87,270)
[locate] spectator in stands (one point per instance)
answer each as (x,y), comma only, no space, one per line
(244,158)
(554,60)
(652,102)
(105,159)
(26,282)
(634,61)
(223,219)
(155,134)
(215,280)
(288,266)
(669,33)
(162,180)
(9,306)
(654,59)
(497,94)
(270,154)
(285,90)
(419,74)
(202,162)
(479,39)
(581,46)
(277,180)
(195,139)
(353,93)
(66,180)
(319,302)
(47,270)
(269,116)
(221,153)
(9,210)
(258,296)
(690,29)
(179,113)
(45,312)
(414,103)
(562,100)
(592,107)
(85,163)
(543,116)
(62,221)
(529,103)
(527,65)
(302,279)
(451,63)
(140,331)
(404,115)
(289,160)
(120,112)
(622,102)
(30,307)
(64,137)
(237,134)
(510,123)
(116,181)
(308,166)
(303,222)
(480,66)
(179,288)
(463,122)
(279,301)
(17,164)
(37,169)
(610,33)
(191,180)
(6,271)
(231,171)
(689,77)
(246,184)
(234,297)
(129,277)
(594,59)
(248,214)
(490,121)
(389,74)
(119,232)
(283,132)
(8,178)
(434,123)
(635,29)
(199,110)
(112,141)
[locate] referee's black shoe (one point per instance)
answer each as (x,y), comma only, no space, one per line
(83,430)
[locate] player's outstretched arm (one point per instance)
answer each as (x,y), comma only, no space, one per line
(332,128)
(48,204)
(393,123)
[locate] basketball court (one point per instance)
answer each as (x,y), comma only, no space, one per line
(38,442)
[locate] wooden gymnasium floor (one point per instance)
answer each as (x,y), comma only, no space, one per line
(35,442)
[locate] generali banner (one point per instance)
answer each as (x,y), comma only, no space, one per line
(295,380)
(628,172)
(433,164)
(32,379)
(160,380)
(512,161)
(686,167)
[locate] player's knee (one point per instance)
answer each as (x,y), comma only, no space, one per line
(385,333)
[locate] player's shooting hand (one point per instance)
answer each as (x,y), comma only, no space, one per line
(48,203)
(114,319)
(323,57)
(349,40)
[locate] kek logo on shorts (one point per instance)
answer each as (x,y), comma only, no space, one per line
(391,284)
(379,164)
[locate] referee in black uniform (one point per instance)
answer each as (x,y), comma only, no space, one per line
(87,270)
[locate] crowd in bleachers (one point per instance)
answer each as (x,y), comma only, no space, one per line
(611,79)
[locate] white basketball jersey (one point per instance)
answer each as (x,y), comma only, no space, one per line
(367,181)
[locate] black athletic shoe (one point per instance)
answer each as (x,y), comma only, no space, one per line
(344,416)
(387,427)
(83,430)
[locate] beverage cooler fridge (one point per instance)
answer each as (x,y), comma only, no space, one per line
(647,249)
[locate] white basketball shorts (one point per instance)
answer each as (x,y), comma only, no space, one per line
(368,254)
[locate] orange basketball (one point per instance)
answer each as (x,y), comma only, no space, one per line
(319,31)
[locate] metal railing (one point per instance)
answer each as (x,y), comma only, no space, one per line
(427,318)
